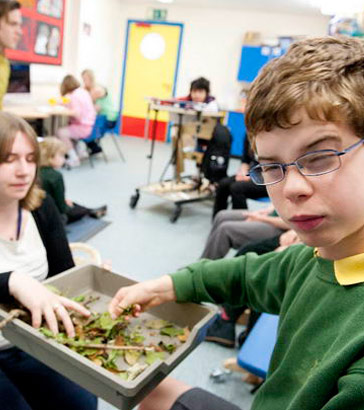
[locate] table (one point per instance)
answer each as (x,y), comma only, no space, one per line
(39,112)
(179,190)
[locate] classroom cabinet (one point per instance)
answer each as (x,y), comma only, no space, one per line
(253,58)
(236,123)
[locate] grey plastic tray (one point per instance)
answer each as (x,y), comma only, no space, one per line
(122,394)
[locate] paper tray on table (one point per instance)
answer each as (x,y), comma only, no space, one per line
(122,394)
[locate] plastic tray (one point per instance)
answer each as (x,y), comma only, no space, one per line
(122,394)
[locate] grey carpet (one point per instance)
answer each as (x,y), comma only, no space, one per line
(85,228)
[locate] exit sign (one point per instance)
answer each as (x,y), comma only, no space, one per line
(157,14)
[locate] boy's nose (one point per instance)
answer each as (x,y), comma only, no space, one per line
(296,185)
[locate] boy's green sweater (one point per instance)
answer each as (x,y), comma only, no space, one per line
(318,360)
(52,182)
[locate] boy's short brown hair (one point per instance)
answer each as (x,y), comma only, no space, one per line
(10,125)
(69,84)
(49,147)
(324,76)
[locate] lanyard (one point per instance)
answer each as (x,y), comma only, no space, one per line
(18,226)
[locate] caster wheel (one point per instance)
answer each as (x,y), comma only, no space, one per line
(134,200)
(176,214)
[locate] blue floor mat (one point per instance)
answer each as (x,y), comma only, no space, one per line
(85,228)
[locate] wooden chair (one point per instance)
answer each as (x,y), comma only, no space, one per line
(83,254)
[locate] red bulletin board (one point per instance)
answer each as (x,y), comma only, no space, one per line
(43,24)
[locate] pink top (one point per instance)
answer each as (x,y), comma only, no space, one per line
(82,104)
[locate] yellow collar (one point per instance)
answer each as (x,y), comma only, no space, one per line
(348,271)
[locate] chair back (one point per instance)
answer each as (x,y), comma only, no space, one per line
(254,355)
(83,254)
(98,130)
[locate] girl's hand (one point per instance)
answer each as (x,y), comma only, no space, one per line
(43,303)
(144,295)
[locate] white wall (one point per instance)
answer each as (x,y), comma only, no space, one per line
(211,43)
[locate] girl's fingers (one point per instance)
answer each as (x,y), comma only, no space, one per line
(72,305)
(63,315)
(50,317)
(36,317)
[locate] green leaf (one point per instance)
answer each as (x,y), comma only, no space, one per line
(170,348)
(123,375)
(151,357)
(46,332)
(136,338)
(79,299)
(171,331)
(132,356)
(157,324)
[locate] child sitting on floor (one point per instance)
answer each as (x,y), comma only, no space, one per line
(52,158)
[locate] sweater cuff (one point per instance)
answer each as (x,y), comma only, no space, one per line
(183,285)
(4,287)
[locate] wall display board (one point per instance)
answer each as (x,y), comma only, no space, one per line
(43,25)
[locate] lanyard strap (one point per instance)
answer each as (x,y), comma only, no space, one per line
(18,226)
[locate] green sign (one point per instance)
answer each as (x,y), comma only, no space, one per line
(158,14)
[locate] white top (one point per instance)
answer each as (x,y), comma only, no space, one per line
(27,255)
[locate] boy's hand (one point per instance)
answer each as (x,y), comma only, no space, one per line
(144,295)
(43,303)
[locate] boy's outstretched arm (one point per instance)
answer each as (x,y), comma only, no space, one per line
(144,295)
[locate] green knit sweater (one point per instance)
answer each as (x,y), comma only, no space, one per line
(52,182)
(318,360)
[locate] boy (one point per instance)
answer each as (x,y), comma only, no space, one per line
(305,119)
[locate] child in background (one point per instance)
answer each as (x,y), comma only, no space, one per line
(104,105)
(200,93)
(83,118)
(88,78)
(304,118)
(52,158)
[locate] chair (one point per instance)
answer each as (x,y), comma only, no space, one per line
(111,128)
(263,199)
(98,131)
(83,253)
(255,354)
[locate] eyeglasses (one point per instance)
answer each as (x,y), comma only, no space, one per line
(310,164)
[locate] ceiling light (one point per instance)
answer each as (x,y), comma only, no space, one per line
(338,7)
(166,1)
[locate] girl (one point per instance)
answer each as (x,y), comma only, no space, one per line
(33,246)
(52,158)
(83,119)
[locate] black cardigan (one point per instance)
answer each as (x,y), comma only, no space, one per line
(54,238)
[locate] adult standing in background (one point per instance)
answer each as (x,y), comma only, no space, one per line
(10,34)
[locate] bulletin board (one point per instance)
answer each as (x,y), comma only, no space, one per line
(43,26)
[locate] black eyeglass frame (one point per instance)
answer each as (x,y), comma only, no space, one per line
(299,167)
